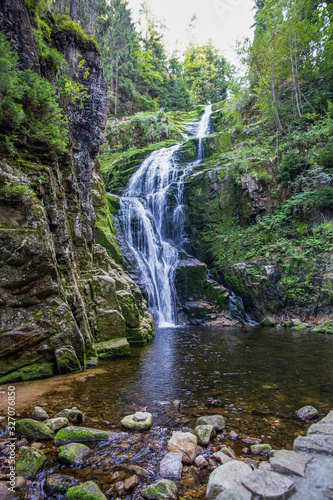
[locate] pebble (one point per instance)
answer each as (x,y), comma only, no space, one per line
(131,482)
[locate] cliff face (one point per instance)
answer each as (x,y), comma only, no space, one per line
(63,301)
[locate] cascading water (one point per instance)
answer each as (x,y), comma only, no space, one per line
(152,220)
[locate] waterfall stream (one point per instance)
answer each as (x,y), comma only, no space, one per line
(152,220)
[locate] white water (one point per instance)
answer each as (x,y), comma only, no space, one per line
(152,220)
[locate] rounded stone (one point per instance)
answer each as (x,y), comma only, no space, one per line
(217,421)
(73,452)
(204,434)
(226,476)
(141,425)
(307,413)
(39,414)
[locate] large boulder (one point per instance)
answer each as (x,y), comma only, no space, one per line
(79,434)
(268,485)
(289,462)
(34,429)
(67,360)
(161,490)
(226,476)
(29,461)
(185,443)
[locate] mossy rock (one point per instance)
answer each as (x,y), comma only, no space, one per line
(131,422)
(31,372)
(217,421)
(85,491)
(190,278)
(261,449)
(29,461)
(79,434)
(204,434)
(72,452)
(33,428)
(58,484)
(67,360)
(268,321)
(115,348)
(161,490)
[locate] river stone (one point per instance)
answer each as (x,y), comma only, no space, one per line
(131,482)
(289,462)
(39,414)
(321,428)
(73,415)
(79,434)
(204,434)
(67,360)
(5,493)
(20,482)
(268,485)
(263,449)
(58,484)
(186,443)
(307,413)
(235,493)
(141,425)
(221,457)
(34,429)
(29,461)
(217,421)
(268,321)
(72,452)
(226,476)
(140,471)
(315,443)
(56,423)
(171,465)
(85,491)
(201,462)
(328,418)
(161,490)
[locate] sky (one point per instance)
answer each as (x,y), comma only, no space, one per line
(223,21)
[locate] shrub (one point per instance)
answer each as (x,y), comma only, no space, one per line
(324,197)
(292,164)
(11,193)
(325,156)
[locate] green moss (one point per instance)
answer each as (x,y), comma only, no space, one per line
(29,461)
(33,428)
(31,372)
(79,434)
(64,24)
(85,491)
(72,452)
(114,348)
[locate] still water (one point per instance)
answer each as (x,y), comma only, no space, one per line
(256,377)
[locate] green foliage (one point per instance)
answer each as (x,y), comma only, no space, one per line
(13,193)
(324,197)
(325,156)
(64,24)
(292,164)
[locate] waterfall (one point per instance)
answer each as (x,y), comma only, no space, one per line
(152,220)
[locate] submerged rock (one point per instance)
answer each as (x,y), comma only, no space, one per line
(261,449)
(307,413)
(85,491)
(140,421)
(171,465)
(204,434)
(58,484)
(226,476)
(33,428)
(131,483)
(161,490)
(268,485)
(186,443)
(29,461)
(39,414)
(73,452)
(73,415)
(79,434)
(217,421)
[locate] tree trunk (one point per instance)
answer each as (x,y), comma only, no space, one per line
(73,10)
(116,91)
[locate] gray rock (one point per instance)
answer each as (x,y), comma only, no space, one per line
(235,493)
(73,415)
(268,485)
(140,471)
(315,443)
(265,466)
(221,457)
(67,360)
(217,421)
(307,413)
(263,449)
(171,465)
(73,452)
(186,443)
(140,425)
(57,423)
(85,491)
(39,414)
(321,428)
(58,484)
(226,476)
(328,418)
(289,462)
(204,434)
(5,493)
(201,462)
(161,490)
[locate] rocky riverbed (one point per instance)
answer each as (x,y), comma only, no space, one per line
(59,456)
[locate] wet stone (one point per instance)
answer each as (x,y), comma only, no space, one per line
(120,487)
(85,491)
(186,443)
(131,483)
(29,461)
(221,457)
(228,451)
(204,434)
(55,424)
(226,476)
(307,413)
(5,493)
(217,421)
(33,428)
(289,462)
(171,465)
(261,449)
(268,485)
(73,452)
(201,462)
(79,434)
(20,482)
(314,443)
(58,484)
(39,414)
(161,490)
(73,415)
(140,424)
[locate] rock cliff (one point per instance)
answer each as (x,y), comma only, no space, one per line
(63,300)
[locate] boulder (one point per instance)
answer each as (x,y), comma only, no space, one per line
(289,462)
(58,484)
(34,429)
(221,457)
(85,491)
(171,465)
(268,485)
(204,434)
(72,452)
(268,321)
(29,461)
(263,449)
(217,421)
(79,434)
(307,413)
(140,421)
(186,443)
(235,493)
(201,462)
(56,423)
(321,428)
(314,443)
(161,490)
(226,476)
(67,360)
(73,415)
(39,414)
